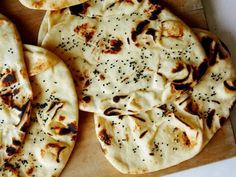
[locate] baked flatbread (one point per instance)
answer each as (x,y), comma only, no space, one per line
(124,56)
(15,92)
(214,97)
(50,4)
(54,121)
(177,131)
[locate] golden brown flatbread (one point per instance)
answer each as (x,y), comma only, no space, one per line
(15,92)
(54,119)
(173,132)
(125,56)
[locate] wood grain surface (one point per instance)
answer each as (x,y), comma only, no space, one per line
(87,160)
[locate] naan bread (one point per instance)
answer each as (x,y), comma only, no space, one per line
(125,56)
(177,131)
(214,97)
(15,92)
(50,4)
(54,121)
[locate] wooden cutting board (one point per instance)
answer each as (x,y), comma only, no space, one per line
(87,159)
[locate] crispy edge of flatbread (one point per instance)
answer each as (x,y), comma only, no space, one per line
(41,63)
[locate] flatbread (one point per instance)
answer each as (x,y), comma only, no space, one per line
(177,131)
(15,92)
(50,4)
(125,56)
(54,121)
(215,94)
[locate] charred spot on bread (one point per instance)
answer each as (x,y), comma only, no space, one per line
(185,78)
(85,30)
(230,86)
(213,56)
(158,9)
(87,84)
(80,9)
(206,43)
(200,71)
(104,137)
(7,99)
(62,118)
(10,150)
(114,47)
(178,68)
(57,148)
(53,104)
(86,99)
(143,134)
(117,99)
(222,121)
(185,139)
(192,108)
(163,107)
(102,77)
(24,108)
(71,128)
(152,32)
(112,111)
(138,118)
(16,142)
(209,118)
(9,79)
(182,87)
(139,29)
(30,171)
